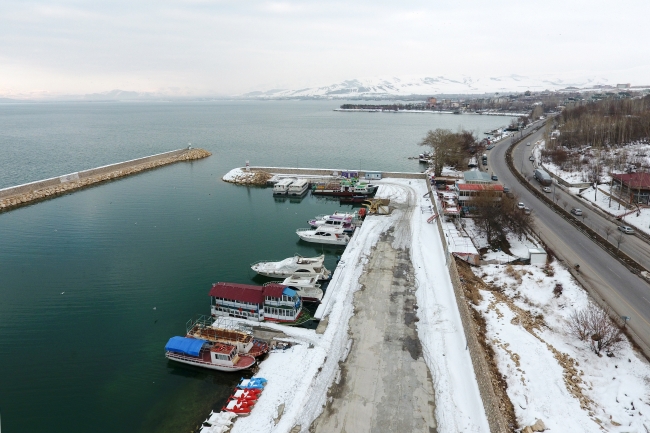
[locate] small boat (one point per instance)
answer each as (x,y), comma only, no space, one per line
(298,187)
(425,157)
(323,235)
(282,187)
(353,199)
(307,288)
(227,331)
(308,266)
(343,221)
(253,383)
(238,407)
(215,356)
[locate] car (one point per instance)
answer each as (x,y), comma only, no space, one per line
(506,189)
(494,177)
(531,158)
(626,229)
(528,144)
(521,205)
(576,211)
(546,189)
(527,210)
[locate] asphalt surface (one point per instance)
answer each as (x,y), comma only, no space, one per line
(605,277)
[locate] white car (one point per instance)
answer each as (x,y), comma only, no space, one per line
(521,205)
(546,189)
(528,144)
(627,230)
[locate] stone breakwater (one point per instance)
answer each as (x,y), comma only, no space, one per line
(11,198)
(255,178)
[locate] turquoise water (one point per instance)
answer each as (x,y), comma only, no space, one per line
(92,284)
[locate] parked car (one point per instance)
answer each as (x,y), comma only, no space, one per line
(531,158)
(528,144)
(626,229)
(521,205)
(527,210)
(506,189)
(576,211)
(494,177)
(546,189)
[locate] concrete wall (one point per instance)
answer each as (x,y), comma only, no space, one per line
(491,403)
(328,172)
(33,186)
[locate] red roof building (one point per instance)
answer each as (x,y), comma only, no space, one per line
(468,190)
(632,187)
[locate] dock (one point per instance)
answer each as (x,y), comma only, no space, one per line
(21,195)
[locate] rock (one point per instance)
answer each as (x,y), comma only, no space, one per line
(527,429)
(538,426)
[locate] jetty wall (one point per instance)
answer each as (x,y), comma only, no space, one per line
(20,195)
(329,172)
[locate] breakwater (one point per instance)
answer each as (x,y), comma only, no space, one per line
(20,195)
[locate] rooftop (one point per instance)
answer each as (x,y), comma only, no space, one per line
(634,180)
(480,187)
(476,176)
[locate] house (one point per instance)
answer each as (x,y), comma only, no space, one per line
(273,302)
(632,187)
(467,191)
(373,175)
(431,102)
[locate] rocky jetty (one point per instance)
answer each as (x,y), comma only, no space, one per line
(242,177)
(13,201)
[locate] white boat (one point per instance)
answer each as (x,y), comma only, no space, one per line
(282,187)
(298,265)
(324,235)
(307,288)
(217,356)
(298,187)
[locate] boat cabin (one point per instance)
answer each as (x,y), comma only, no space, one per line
(224,354)
(273,302)
(282,187)
(298,187)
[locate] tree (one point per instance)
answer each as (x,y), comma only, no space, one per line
(593,325)
(448,148)
(608,231)
(619,240)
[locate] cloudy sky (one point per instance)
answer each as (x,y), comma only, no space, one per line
(222,47)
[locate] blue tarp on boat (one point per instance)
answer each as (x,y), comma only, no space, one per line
(186,346)
(289,292)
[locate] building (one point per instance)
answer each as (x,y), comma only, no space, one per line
(477,177)
(632,187)
(623,86)
(431,102)
(467,191)
(273,302)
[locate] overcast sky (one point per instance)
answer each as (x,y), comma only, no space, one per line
(228,47)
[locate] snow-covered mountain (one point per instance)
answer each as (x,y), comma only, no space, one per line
(386,87)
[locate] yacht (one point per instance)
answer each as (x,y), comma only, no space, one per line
(298,265)
(307,288)
(324,235)
(343,221)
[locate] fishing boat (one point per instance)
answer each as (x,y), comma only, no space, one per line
(201,353)
(307,288)
(308,266)
(324,235)
(227,331)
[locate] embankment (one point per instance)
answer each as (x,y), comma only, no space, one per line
(21,195)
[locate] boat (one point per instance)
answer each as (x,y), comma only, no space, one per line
(425,157)
(298,187)
(282,186)
(271,302)
(345,188)
(201,353)
(227,331)
(344,221)
(257,383)
(308,266)
(353,199)
(324,235)
(307,288)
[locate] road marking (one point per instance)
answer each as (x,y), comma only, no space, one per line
(645,299)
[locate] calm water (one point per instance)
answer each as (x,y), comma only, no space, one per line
(93,284)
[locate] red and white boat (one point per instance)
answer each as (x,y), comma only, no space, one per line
(215,356)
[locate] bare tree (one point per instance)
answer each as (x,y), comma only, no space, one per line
(593,325)
(608,231)
(619,240)
(564,204)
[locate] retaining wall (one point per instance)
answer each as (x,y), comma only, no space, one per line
(491,403)
(329,172)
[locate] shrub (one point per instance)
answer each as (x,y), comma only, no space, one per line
(594,325)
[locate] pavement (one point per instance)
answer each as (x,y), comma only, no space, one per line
(385,385)
(605,277)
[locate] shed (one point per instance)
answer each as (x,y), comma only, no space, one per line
(373,175)
(537,256)
(349,174)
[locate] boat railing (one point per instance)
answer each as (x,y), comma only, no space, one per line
(304,230)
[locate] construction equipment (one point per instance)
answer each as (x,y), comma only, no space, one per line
(378,206)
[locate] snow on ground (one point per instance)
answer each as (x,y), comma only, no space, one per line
(459,407)
(235,173)
(314,361)
(518,247)
(552,375)
(314,369)
(641,221)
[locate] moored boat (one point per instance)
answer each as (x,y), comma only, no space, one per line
(226,331)
(308,266)
(271,302)
(344,221)
(307,288)
(344,188)
(215,356)
(282,186)
(324,235)
(298,187)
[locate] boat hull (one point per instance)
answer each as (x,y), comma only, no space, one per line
(343,241)
(245,362)
(332,193)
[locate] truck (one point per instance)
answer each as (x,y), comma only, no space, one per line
(543,177)
(485,159)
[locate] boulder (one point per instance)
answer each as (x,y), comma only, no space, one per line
(538,426)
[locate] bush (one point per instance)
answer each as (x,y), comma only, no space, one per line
(594,326)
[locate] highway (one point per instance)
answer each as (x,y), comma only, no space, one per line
(605,277)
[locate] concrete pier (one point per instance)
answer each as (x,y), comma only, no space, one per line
(21,195)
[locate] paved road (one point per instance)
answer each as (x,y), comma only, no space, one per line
(634,246)
(385,384)
(626,293)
